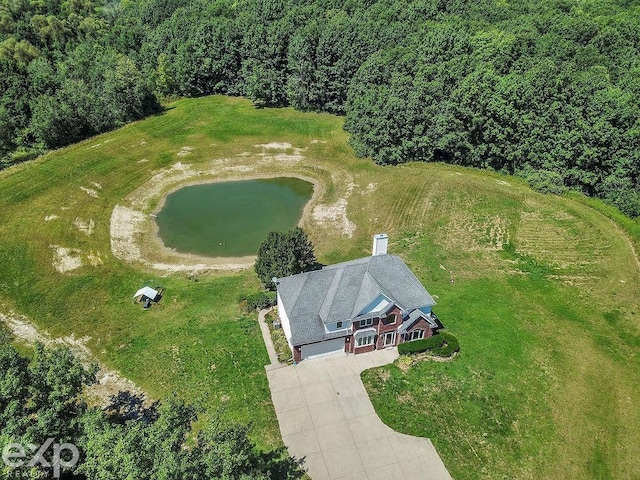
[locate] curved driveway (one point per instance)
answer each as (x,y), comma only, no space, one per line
(326,419)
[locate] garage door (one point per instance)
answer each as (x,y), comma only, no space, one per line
(330,347)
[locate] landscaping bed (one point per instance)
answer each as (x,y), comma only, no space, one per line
(439,345)
(278,338)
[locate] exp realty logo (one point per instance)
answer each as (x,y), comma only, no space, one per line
(65,455)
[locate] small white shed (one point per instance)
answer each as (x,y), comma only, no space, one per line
(147,292)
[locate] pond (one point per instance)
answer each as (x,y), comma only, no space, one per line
(231,219)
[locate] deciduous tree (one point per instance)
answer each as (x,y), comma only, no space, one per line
(284,253)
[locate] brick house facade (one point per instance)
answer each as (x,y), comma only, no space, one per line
(382,326)
(387,325)
(354,307)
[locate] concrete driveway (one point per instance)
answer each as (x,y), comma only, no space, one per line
(326,418)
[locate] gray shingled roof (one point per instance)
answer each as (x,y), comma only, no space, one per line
(413,317)
(340,292)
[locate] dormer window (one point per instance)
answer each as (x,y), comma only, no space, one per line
(367,322)
(390,319)
(339,325)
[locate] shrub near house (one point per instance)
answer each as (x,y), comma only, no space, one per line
(440,345)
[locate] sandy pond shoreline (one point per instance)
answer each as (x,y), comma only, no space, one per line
(134,232)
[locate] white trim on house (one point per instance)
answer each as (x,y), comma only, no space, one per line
(284,321)
(365,331)
(364,338)
(416,335)
(386,335)
(378,305)
(345,326)
(367,322)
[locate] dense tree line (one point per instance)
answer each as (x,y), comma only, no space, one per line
(41,398)
(59,82)
(545,90)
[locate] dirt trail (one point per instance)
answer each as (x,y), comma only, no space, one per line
(109,382)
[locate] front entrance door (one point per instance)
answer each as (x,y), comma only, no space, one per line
(389,339)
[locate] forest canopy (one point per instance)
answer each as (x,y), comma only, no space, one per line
(547,90)
(42,398)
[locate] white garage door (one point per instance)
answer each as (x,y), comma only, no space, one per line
(330,347)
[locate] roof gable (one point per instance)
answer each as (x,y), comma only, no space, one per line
(380,304)
(344,291)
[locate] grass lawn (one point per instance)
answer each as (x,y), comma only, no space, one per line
(541,291)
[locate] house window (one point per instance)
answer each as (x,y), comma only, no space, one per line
(390,319)
(367,322)
(389,339)
(416,335)
(364,340)
(339,324)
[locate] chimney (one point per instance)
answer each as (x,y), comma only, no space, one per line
(380,242)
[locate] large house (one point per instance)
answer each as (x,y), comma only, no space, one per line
(355,307)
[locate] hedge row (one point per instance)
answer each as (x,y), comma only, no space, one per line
(441,345)
(259,300)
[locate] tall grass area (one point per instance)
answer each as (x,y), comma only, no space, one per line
(541,291)
(545,385)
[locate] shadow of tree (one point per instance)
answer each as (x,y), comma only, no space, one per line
(126,406)
(281,466)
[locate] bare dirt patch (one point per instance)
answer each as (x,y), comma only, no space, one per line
(65,259)
(125,225)
(94,259)
(274,146)
(221,264)
(290,158)
(90,191)
(289,153)
(239,169)
(335,215)
(159,183)
(109,382)
(49,218)
(85,226)
(100,144)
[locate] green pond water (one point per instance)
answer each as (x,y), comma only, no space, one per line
(231,219)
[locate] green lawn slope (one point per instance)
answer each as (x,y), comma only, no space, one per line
(541,291)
